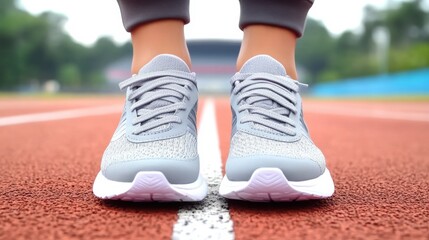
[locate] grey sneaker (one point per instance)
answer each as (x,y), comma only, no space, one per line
(272,157)
(153,153)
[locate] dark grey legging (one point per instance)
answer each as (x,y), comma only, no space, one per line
(289,14)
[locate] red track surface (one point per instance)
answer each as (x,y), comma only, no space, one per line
(380,168)
(30,106)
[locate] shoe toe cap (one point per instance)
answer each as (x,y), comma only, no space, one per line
(177,171)
(176,158)
(241,169)
(299,160)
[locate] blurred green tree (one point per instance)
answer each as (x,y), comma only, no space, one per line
(36,49)
(315,49)
(69,76)
(328,58)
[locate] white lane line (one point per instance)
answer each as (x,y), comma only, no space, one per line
(369,113)
(58,115)
(209,219)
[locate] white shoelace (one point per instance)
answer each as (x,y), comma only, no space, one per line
(168,87)
(267,99)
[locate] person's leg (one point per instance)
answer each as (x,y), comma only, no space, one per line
(156,27)
(271,157)
(275,41)
(158,37)
(272,28)
(153,155)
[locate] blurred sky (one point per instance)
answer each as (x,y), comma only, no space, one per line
(88,20)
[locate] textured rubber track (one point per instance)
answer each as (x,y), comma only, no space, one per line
(18,106)
(149,187)
(48,169)
(270,184)
(380,170)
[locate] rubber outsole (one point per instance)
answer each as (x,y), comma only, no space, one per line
(150,186)
(270,184)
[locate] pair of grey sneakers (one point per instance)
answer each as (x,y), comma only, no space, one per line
(153,153)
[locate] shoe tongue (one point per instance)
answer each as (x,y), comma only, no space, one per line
(263,64)
(163,62)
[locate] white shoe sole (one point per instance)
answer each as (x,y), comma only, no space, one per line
(270,184)
(149,186)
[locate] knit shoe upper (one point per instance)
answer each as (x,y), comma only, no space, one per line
(157,130)
(268,127)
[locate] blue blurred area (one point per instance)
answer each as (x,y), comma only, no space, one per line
(399,84)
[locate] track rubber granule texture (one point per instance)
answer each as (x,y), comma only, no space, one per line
(380,168)
(46,185)
(381,173)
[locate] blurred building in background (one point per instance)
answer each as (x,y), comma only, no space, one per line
(214,63)
(212,60)
(392,43)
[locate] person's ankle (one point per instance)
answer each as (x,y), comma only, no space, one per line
(159,37)
(276,42)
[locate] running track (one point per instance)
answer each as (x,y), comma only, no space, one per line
(378,154)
